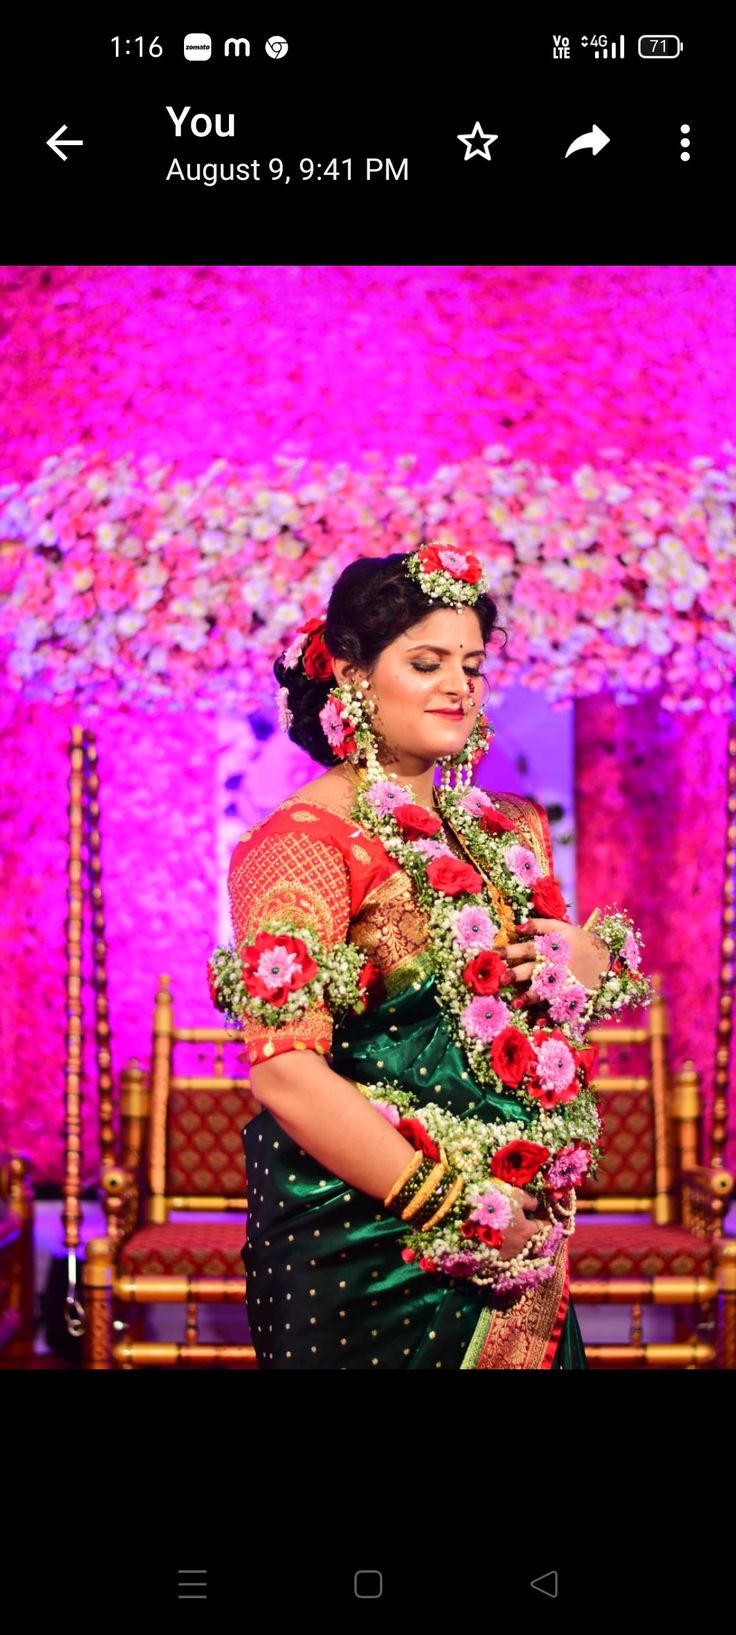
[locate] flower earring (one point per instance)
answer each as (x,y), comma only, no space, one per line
(347,725)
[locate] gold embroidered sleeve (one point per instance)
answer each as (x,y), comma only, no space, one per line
(531,825)
(304,880)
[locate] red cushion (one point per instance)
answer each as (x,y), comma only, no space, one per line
(186,1248)
(636,1249)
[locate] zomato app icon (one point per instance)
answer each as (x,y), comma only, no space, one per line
(197,47)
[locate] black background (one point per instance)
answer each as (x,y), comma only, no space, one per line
(460,1491)
(386,86)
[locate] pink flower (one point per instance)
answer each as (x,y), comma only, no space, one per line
(631,952)
(291,656)
(385,795)
(546,981)
(567,1004)
(431,848)
(555,1065)
(473,928)
(528,1278)
(553,946)
(276,967)
(476,802)
(493,1209)
(285,716)
(333,724)
(568,1168)
(523,865)
(387,1109)
(485,1016)
(454,561)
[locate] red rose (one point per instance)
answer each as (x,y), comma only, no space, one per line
(345,748)
(546,1098)
(317,660)
(416,820)
(312,624)
(518,1162)
(482,1231)
(495,822)
(417,1135)
(511,1053)
(587,1060)
(432,563)
(371,983)
(449,875)
(486,973)
(211,980)
(283,975)
(548,900)
(348,743)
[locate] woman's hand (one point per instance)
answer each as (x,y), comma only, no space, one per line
(520,1230)
(588,960)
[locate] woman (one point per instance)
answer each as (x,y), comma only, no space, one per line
(383,692)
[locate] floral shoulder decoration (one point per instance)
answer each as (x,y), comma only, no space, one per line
(286,969)
(546,1066)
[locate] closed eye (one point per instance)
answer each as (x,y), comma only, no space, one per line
(425,667)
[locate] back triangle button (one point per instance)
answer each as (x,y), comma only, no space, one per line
(547,1584)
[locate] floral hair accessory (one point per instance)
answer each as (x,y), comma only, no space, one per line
(447,574)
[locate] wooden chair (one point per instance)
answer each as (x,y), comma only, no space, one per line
(16,1261)
(181,1140)
(674,1253)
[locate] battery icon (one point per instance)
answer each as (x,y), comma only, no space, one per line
(659,45)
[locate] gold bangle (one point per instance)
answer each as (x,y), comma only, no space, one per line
(425,1192)
(411,1168)
(450,1198)
(591,920)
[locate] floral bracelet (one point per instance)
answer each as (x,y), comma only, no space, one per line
(622,984)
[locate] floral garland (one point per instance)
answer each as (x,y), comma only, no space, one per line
(490,1157)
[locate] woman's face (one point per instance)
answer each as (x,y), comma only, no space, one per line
(429,669)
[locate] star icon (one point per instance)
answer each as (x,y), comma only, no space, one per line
(475,147)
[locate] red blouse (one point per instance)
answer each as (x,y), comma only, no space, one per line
(308,865)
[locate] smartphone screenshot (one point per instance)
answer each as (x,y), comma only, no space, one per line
(367,814)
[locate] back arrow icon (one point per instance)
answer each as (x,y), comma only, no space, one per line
(69,142)
(547,1584)
(595,139)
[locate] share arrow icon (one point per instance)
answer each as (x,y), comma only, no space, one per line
(69,142)
(595,139)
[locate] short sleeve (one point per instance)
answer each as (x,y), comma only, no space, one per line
(282,871)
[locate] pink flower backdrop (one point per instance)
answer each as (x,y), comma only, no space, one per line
(190,455)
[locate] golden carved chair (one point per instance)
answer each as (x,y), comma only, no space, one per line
(181,1146)
(674,1252)
(16,1261)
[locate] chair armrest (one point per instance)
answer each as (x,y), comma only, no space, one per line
(120,1197)
(710,1183)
